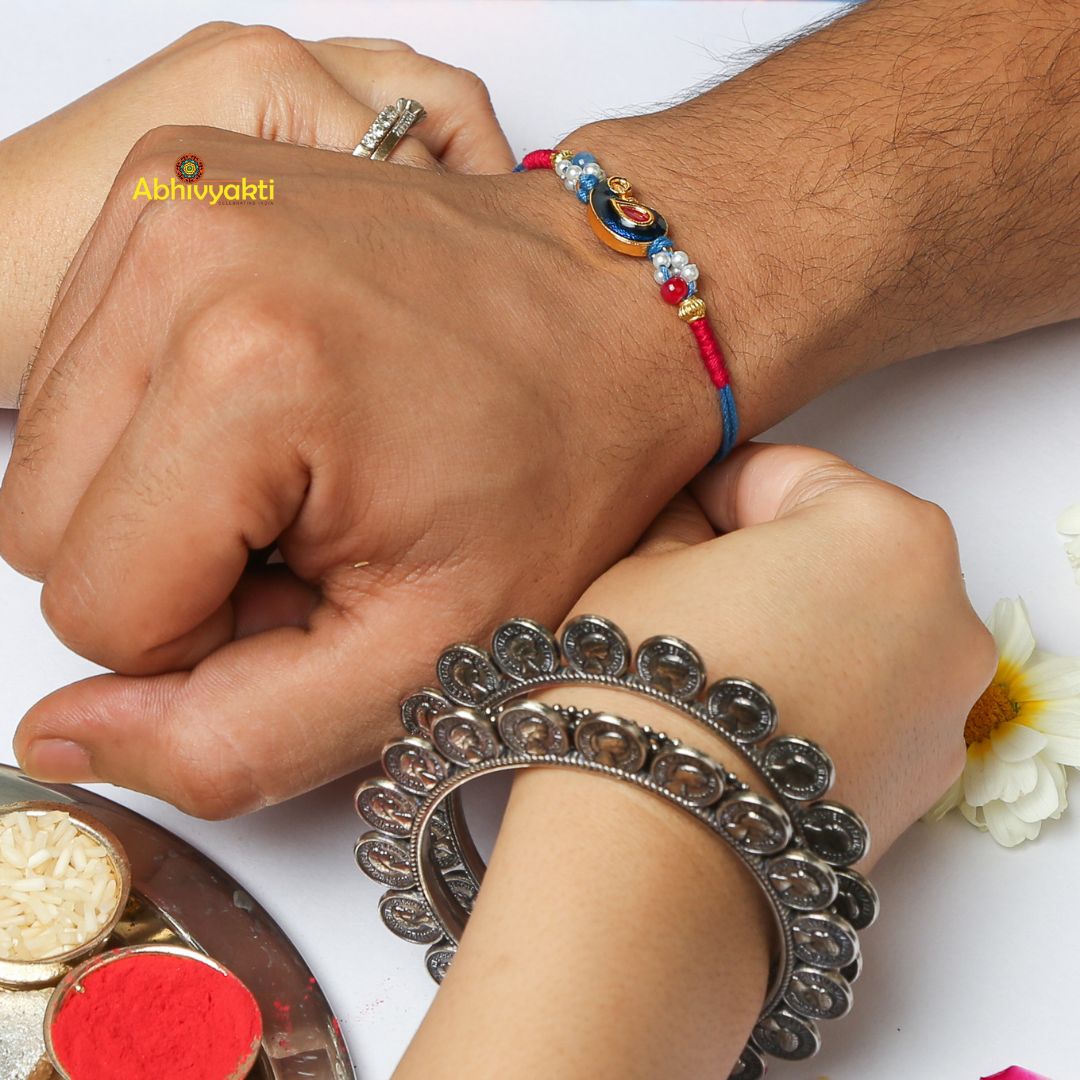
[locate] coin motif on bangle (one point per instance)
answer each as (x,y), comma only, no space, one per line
(419,709)
(465,737)
(755,823)
(672,666)
(524,649)
(467,674)
(534,729)
(750,1066)
(611,741)
(437,959)
(835,833)
(444,849)
(594,646)
(385,807)
(802,881)
(413,763)
(384,861)
(787,1036)
(690,775)
(742,709)
(821,995)
(408,916)
(856,899)
(853,970)
(463,886)
(798,767)
(824,940)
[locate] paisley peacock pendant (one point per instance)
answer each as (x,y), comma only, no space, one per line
(620,220)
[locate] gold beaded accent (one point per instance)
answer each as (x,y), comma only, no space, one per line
(562,155)
(691,309)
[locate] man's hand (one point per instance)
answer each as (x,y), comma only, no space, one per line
(254,80)
(422,386)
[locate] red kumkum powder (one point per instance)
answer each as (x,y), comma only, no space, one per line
(156,1017)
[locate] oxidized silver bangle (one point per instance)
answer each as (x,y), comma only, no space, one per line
(798,846)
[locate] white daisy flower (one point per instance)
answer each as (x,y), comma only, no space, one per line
(1019,735)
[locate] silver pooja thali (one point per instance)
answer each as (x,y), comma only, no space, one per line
(180,897)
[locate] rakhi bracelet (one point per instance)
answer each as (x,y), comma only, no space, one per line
(631,228)
(798,846)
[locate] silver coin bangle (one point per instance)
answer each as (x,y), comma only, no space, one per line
(798,846)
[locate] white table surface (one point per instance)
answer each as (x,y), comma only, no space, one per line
(973,965)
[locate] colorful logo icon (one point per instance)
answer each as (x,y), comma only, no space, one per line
(189,168)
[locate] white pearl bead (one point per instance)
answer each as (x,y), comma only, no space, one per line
(572,172)
(560,169)
(679,259)
(689,272)
(660,276)
(592,169)
(570,184)
(661,258)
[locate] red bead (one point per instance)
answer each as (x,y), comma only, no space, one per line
(674,290)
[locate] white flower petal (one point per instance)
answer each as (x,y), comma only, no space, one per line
(951,798)
(984,775)
(1016,742)
(1068,521)
(1020,778)
(974,814)
(987,777)
(1011,627)
(1042,801)
(1061,782)
(1058,717)
(1063,749)
(1006,828)
(1072,552)
(1054,677)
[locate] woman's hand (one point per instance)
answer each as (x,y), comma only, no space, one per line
(254,80)
(613,937)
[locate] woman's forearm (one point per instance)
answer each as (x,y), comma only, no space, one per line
(613,938)
(898,182)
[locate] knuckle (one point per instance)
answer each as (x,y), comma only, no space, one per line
(207,30)
(232,343)
(266,46)
(472,87)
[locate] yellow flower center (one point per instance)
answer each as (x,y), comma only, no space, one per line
(993,708)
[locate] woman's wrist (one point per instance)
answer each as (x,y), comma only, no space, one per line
(605,914)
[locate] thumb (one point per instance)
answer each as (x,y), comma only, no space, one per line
(763,482)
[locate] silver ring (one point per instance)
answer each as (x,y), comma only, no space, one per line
(389,128)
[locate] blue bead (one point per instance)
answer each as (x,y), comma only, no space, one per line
(583,159)
(661,243)
(585,185)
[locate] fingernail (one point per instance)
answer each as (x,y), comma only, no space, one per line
(58,761)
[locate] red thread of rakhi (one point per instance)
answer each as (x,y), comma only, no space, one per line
(674,291)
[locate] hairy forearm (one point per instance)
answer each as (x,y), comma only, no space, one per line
(898,182)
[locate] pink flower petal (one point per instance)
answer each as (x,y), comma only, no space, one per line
(1015,1073)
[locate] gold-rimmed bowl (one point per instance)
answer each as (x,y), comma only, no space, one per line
(33,974)
(72,983)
